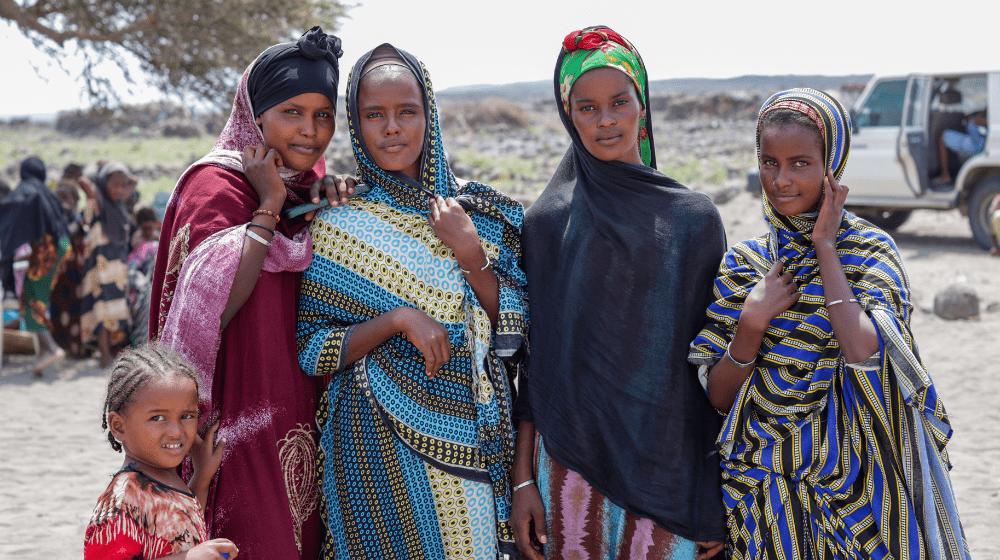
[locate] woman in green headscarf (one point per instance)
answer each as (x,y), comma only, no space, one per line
(615,443)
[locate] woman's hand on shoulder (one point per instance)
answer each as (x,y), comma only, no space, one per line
(831,213)
(427,334)
(260,165)
(772,296)
(526,510)
(337,189)
(455,228)
(211,550)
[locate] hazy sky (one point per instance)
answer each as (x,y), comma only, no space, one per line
(518,40)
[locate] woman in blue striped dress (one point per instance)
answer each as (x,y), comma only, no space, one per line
(834,439)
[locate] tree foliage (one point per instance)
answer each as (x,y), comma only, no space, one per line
(185,48)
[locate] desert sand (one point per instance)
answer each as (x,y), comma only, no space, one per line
(55,461)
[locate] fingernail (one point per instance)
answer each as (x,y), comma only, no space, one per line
(543,539)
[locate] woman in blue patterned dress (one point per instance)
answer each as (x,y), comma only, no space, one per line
(414,304)
(834,440)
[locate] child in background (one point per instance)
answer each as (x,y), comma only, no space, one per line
(148,227)
(151,412)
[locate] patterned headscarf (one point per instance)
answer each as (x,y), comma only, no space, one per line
(600,47)
(833,121)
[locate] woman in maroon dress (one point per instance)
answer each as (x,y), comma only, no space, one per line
(226,287)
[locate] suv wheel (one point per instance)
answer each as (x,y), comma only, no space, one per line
(888,220)
(979,202)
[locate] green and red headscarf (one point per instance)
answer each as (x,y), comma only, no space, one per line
(601,47)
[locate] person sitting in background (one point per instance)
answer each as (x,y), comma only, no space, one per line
(965,144)
(141,262)
(33,214)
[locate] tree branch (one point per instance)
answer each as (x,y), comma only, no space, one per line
(9,9)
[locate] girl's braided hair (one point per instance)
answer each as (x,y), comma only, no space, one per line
(132,369)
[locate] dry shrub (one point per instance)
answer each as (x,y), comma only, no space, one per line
(143,120)
(492,113)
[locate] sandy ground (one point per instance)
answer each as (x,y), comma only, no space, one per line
(54,460)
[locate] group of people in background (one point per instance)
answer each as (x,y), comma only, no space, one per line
(423,370)
(81,274)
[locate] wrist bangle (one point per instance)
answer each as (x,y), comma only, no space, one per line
(258,238)
(261,226)
(739,364)
(528,482)
(260,211)
(835,302)
(485,266)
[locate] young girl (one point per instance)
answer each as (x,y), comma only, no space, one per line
(834,439)
(151,413)
(414,295)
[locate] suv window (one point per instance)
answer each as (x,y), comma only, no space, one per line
(966,94)
(884,107)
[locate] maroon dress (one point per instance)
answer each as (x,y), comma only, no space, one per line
(264,497)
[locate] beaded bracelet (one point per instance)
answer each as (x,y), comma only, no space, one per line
(260,211)
(835,302)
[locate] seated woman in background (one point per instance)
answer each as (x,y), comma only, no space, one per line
(834,440)
(33,214)
(225,290)
(414,296)
(614,448)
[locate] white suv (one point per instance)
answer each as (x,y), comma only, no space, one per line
(896,158)
(895,164)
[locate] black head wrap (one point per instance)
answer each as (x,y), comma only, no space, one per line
(289,69)
(26,214)
(621,261)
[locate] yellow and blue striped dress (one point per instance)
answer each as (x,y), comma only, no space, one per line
(820,458)
(412,466)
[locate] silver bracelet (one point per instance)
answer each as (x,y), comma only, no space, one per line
(835,302)
(528,482)
(485,266)
(739,364)
(258,238)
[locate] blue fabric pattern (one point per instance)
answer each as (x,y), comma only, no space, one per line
(400,450)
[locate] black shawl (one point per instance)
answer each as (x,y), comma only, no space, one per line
(26,214)
(620,261)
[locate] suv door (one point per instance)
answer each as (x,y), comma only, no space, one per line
(874,168)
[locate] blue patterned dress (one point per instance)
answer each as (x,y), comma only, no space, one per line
(411,466)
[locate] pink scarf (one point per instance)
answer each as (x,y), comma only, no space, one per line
(193,325)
